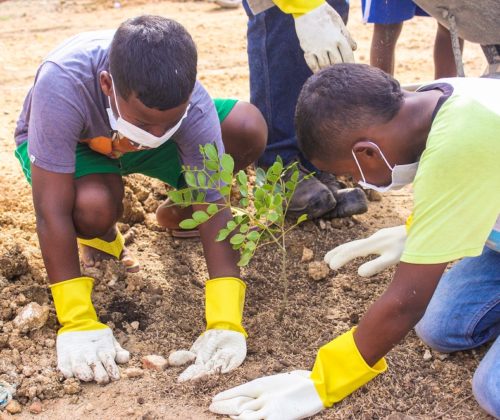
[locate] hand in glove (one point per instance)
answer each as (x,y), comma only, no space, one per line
(338,371)
(389,243)
(324,38)
(86,348)
(222,347)
(284,396)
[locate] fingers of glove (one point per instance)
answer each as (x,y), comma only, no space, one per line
(64,364)
(325,58)
(345,50)
(334,56)
(122,355)
(250,389)
(108,362)
(377,265)
(342,254)
(312,62)
(81,369)
(192,372)
(253,415)
(232,406)
(99,372)
(181,357)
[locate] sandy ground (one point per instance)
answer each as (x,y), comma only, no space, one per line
(166,297)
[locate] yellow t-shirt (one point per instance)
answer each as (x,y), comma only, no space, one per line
(457,186)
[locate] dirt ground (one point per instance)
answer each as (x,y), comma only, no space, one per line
(166,297)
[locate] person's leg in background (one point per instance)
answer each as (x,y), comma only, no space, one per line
(444,62)
(277,72)
(383,46)
(464,313)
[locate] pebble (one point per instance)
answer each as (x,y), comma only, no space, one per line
(307,255)
(443,356)
(154,362)
(133,372)
(135,325)
(31,317)
(318,270)
(71,386)
(13,407)
(180,357)
(427,355)
(322,224)
(36,407)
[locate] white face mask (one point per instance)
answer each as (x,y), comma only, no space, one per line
(401,174)
(136,134)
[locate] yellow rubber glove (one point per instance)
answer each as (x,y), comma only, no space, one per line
(339,369)
(297,7)
(222,347)
(86,348)
(224,302)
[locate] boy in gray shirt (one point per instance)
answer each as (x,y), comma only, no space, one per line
(104,105)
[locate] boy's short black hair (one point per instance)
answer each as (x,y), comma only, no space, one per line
(155,58)
(339,99)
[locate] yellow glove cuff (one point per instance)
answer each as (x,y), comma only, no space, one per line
(340,369)
(74,308)
(297,8)
(224,301)
(114,248)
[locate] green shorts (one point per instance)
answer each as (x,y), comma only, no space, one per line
(162,163)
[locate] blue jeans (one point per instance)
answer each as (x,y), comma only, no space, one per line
(464,313)
(277,72)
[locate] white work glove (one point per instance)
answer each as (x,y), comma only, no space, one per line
(324,38)
(286,396)
(389,243)
(90,355)
(215,351)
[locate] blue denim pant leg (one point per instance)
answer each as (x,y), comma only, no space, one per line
(277,72)
(464,313)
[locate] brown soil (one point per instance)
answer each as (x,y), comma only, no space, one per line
(166,297)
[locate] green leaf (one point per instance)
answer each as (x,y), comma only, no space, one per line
(175,196)
(223,234)
(190,179)
(295,175)
(277,167)
(225,190)
(212,166)
(227,163)
(237,239)
(302,218)
(188,224)
(253,236)
(200,216)
(200,197)
(260,176)
(244,260)
(242,177)
(212,209)
(244,202)
(226,177)
(244,228)
(202,179)
(251,245)
(231,225)
(211,152)
(272,216)
(277,200)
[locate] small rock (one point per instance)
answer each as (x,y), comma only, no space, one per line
(71,386)
(318,270)
(140,400)
(89,408)
(154,362)
(13,407)
(36,407)
(373,195)
(50,343)
(32,317)
(337,223)
(322,224)
(135,325)
(307,255)
(180,357)
(427,355)
(133,372)
(443,356)
(28,371)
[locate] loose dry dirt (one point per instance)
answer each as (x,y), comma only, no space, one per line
(166,297)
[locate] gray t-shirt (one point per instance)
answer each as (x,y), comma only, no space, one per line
(66,104)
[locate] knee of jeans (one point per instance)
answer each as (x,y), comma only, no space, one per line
(433,333)
(486,389)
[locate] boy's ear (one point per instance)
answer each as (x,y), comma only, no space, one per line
(105,82)
(365,149)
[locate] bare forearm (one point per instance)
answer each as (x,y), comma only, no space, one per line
(59,248)
(397,311)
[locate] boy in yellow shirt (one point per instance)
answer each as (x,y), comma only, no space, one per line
(355,119)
